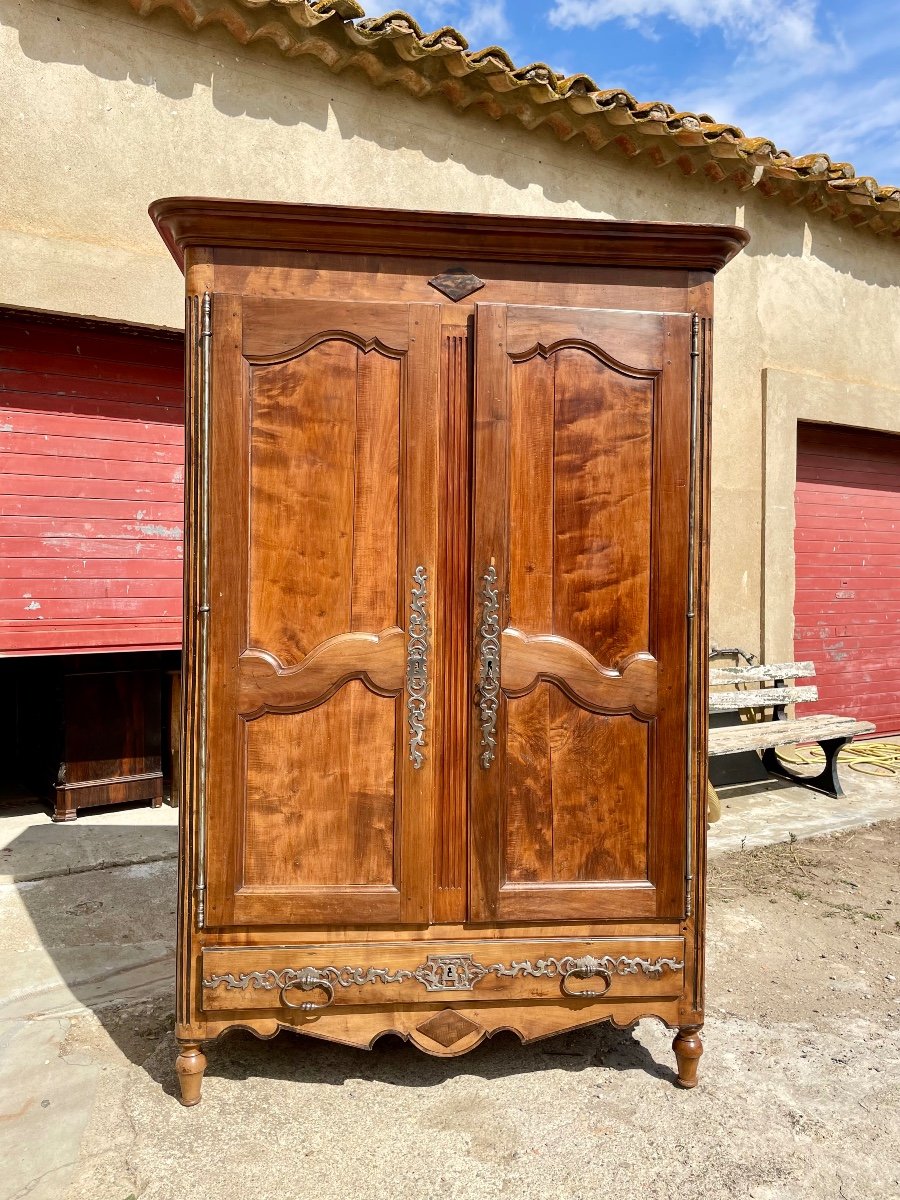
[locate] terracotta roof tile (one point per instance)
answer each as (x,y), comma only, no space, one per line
(393,49)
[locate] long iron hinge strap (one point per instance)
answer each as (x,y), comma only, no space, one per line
(205,350)
(690,757)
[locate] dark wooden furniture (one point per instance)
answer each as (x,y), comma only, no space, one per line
(832,733)
(111,741)
(445,665)
(172,747)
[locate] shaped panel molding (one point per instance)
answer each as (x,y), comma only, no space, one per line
(528,660)
(378,659)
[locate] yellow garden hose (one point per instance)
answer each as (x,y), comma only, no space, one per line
(881,759)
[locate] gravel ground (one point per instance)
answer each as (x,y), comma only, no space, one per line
(799,1094)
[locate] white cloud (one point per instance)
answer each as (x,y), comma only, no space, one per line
(809,83)
(787,26)
(854,122)
(812,75)
(848,109)
(482,22)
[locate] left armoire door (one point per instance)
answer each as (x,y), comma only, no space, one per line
(322,730)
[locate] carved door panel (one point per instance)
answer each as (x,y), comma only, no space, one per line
(582,460)
(322,733)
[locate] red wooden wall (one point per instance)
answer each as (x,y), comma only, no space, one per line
(91,488)
(847,544)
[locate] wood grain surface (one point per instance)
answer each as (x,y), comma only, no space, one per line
(365,425)
(734,701)
(665,957)
(759,735)
(338,480)
(580,457)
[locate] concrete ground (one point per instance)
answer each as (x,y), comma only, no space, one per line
(800,1089)
(761,814)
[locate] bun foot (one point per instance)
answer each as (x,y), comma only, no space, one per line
(190,1065)
(688,1048)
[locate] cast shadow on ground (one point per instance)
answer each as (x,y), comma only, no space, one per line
(292,1057)
(110,933)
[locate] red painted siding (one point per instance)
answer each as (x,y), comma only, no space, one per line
(91,488)
(847,543)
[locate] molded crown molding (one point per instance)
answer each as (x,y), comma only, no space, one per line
(187,221)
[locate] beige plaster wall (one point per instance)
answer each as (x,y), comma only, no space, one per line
(105,111)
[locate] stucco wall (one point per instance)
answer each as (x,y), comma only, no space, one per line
(106,111)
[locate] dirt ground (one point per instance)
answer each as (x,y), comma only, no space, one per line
(799,1096)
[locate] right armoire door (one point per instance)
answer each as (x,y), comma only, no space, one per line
(582,461)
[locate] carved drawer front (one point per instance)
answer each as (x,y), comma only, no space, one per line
(385,974)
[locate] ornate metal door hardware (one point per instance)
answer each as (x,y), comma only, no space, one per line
(444,973)
(489,660)
(417,667)
(456,283)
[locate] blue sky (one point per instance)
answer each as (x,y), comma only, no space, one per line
(811,75)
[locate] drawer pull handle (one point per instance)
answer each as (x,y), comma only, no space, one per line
(458,972)
(307,980)
(586,968)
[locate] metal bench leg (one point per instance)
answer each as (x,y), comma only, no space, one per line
(826,782)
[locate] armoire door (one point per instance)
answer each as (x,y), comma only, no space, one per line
(581,514)
(321,724)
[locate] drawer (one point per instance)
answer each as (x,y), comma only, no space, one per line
(310,978)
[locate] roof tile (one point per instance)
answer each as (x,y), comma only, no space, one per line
(393,49)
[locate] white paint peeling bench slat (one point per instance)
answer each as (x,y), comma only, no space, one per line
(831,732)
(762,673)
(774,697)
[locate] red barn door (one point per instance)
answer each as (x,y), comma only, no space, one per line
(91,482)
(847,543)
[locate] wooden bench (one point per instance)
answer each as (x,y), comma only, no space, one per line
(831,733)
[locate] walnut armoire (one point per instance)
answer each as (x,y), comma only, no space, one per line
(445,631)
